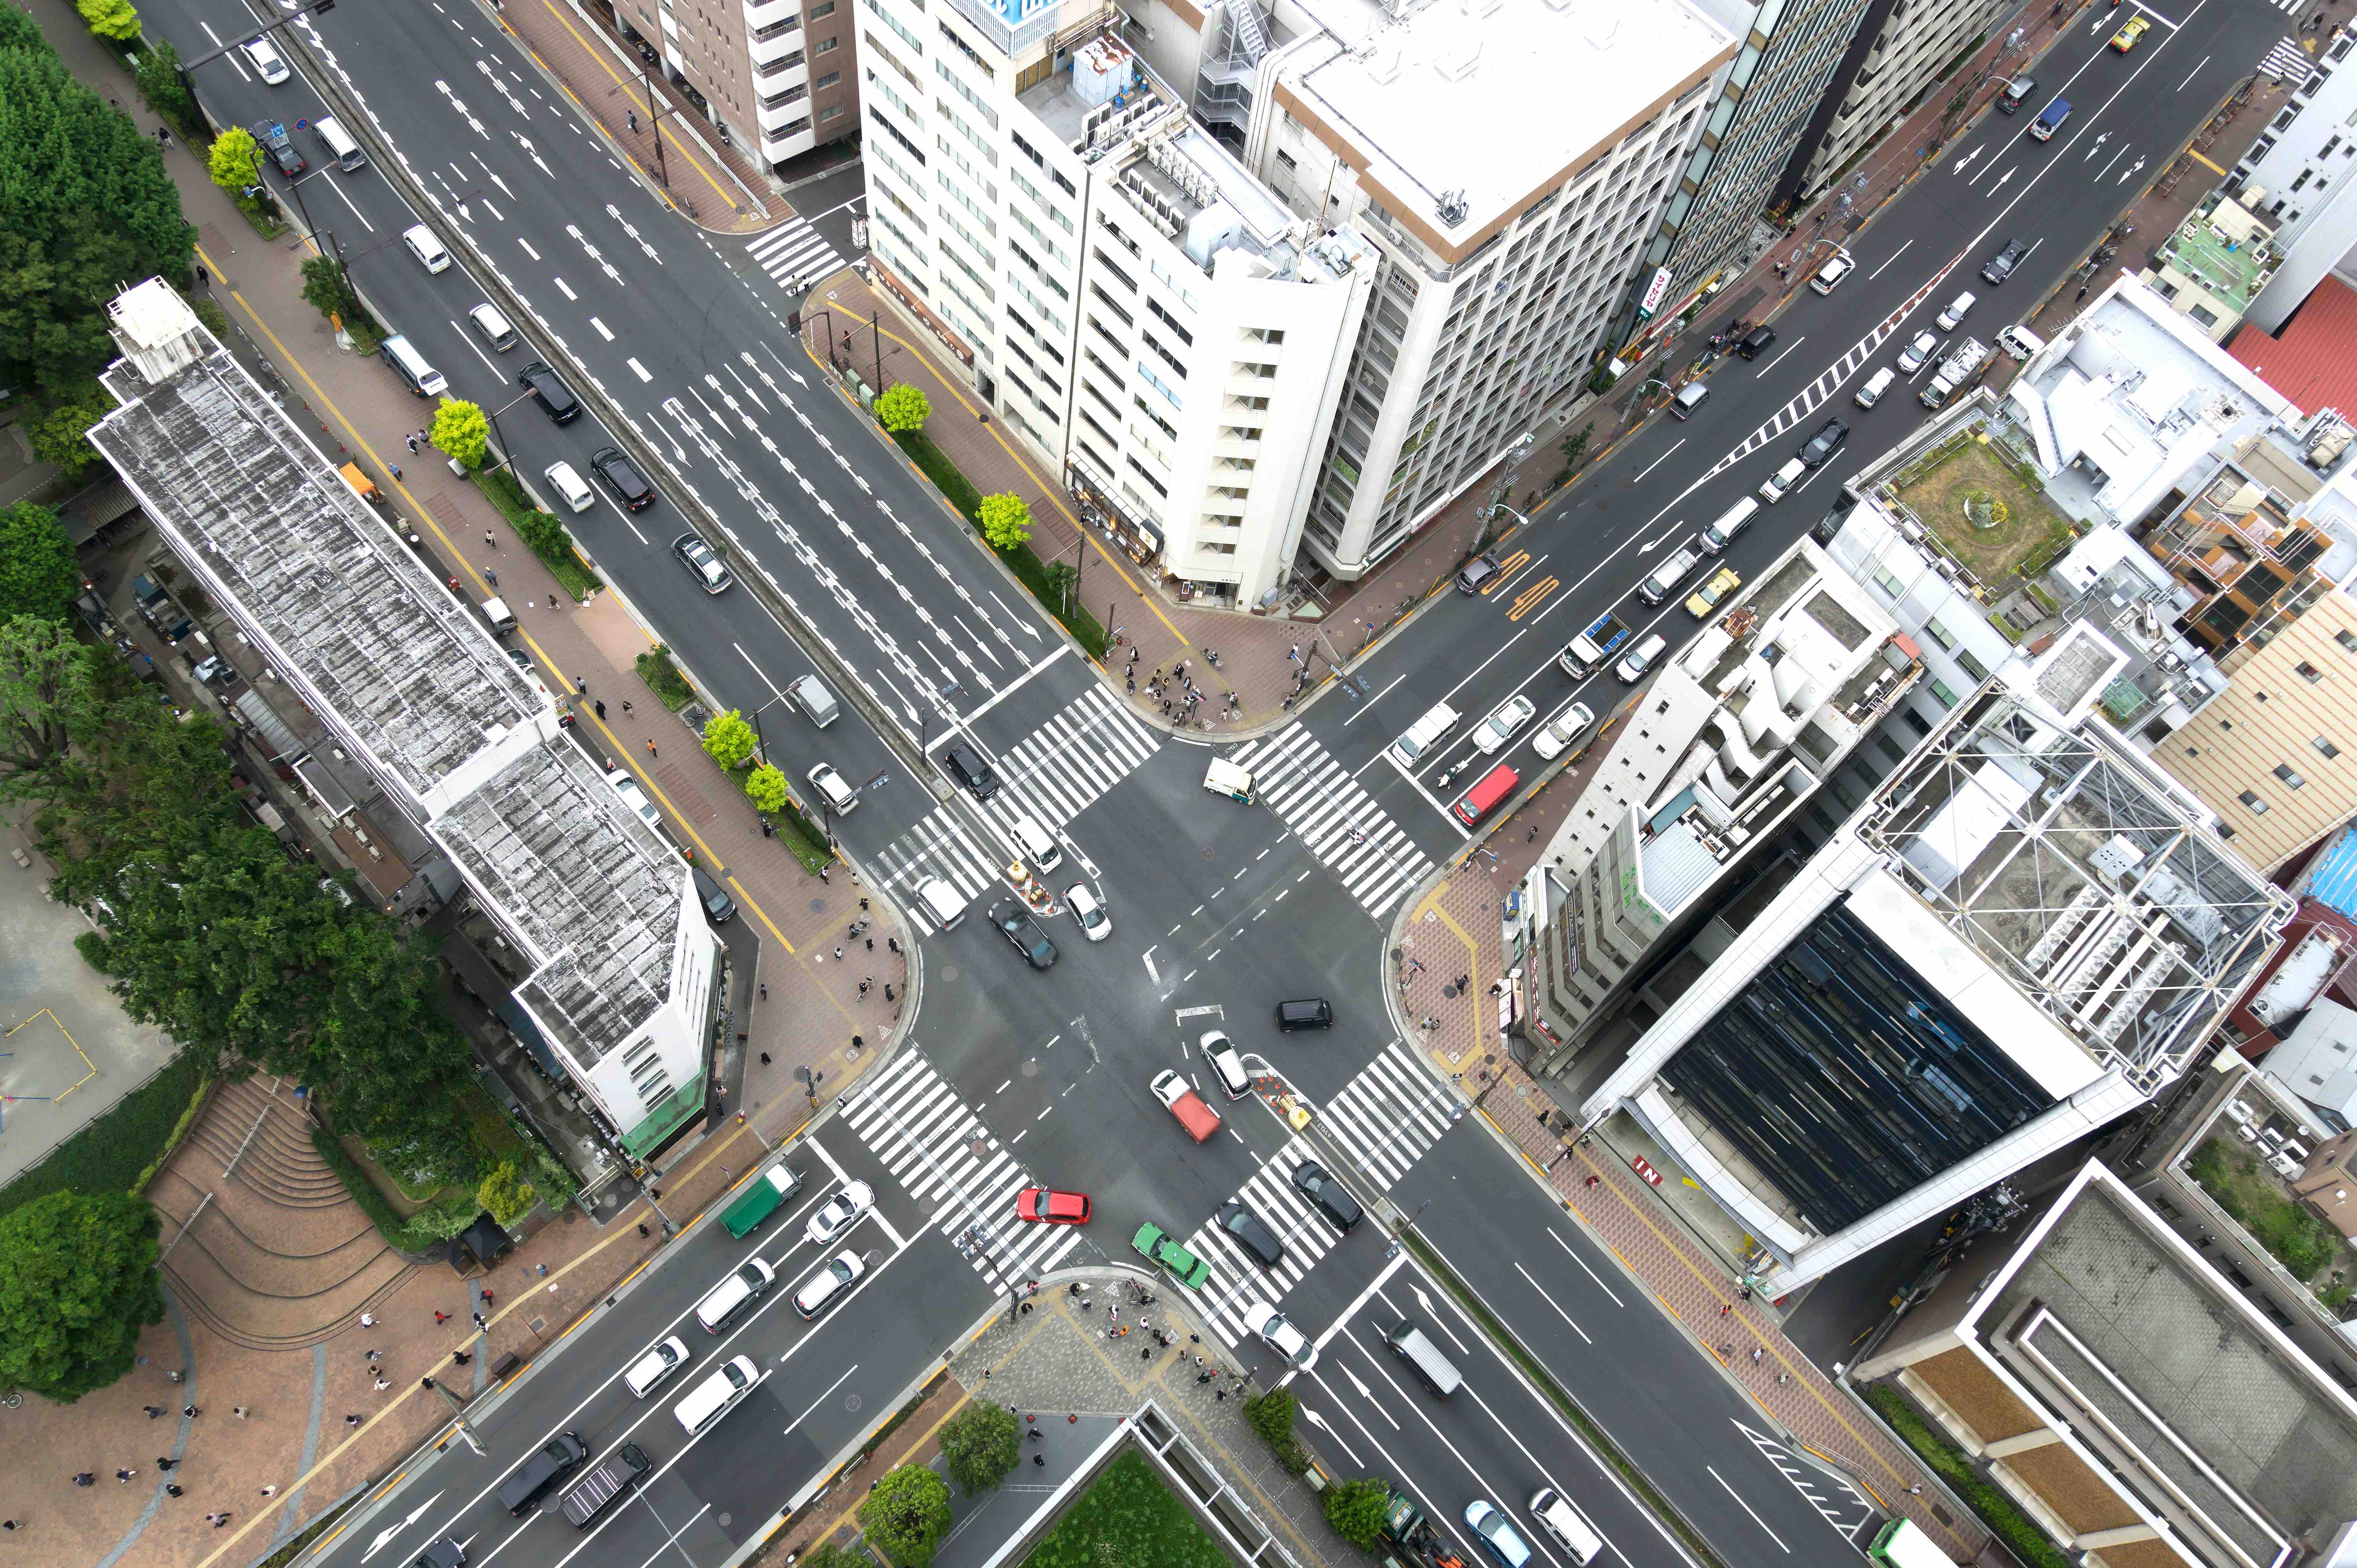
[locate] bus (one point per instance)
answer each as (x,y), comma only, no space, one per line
(1902,1545)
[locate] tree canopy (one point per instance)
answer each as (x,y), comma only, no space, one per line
(908,1514)
(77,1282)
(981,1443)
(38,573)
(902,408)
(1005,520)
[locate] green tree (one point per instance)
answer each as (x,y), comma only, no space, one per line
(1573,446)
(907,1515)
(61,432)
(158,78)
(544,535)
(77,1282)
(115,19)
(1271,1414)
(766,787)
(1006,521)
(235,163)
(1356,1510)
(37,574)
(328,289)
(728,739)
(504,1195)
(902,408)
(981,1443)
(88,207)
(52,695)
(828,1555)
(460,430)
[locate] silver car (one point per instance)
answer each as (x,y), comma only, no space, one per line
(1500,726)
(838,1213)
(1910,359)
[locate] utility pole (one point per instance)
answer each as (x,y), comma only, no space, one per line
(458,1415)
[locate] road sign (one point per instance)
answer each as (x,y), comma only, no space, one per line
(1637,1162)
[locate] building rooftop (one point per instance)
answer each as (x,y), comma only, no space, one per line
(2229,252)
(1463,109)
(2207,1414)
(2075,870)
(403,675)
(2312,360)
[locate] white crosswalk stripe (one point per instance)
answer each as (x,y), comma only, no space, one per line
(1318,800)
(793,250)
(1390,1114)
(1236,1276)
(1058,769)
(939,1150)
(2288,62)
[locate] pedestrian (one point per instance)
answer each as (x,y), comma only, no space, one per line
(191,1412)
(85,1479)
(1755,1355)
(396,469)
(440,1318)
(871,943)
(626,706)
(171,1488)
(838,952)
(373,1356)
(368,1320)
(412,439)
(219,1519)
(634,121)
(551,601)
(764,988)
(824,880)
(863,906)
(893,943)
(352,1419)
(165,1463)
(124,1475)
(1221,1395)
(599,707)
(488,1297)
(382,1385)
(459,1358)
(887,993)
(1916,1491)
(204,278)
(490,540)
(479,1323)
(491,576)
(1726,1308)
(857,1043)
(271,1491)
(214,1520)
(2082,294)
(1203,1377)
(1039,1460)
(651,749)
(1594,1181)
(153,1411)
(1199,1355)
(580,686)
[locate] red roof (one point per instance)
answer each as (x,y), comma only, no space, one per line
(2314,362)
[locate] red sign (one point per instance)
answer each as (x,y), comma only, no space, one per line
(1637,1162)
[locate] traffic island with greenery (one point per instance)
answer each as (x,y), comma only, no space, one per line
(663,679)
(1003,520)
(543,533)
(2303,1243)
(1126,1516)
(2005,1519)
(906,1515)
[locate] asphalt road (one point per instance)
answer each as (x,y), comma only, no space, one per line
(1219,910)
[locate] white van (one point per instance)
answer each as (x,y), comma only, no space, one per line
(706,1401)
(1957,309)
(570,488)
(1730,523)
(1424,1358)
(655,1369)
(494,327)
(941,901)
(339,143)
(1425,734)
(1559,1519)
(1037,846)
(1222,777)
(1773,488)
(1689,398)
(426,247)
(838,1274)
(411,366)
(1876,385)
(731,1295)
(1675,569)
(834,790)
(811,695)
(2020,342)
(1632,668)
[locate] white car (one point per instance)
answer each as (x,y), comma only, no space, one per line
(1500,726)
(267,61)
(1559,732)
(1912,358)
(636,799)
(431,252)
(1096,924)
(837,1214)
(1281,1336)
(570,488)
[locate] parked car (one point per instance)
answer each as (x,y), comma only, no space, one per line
(636,799)
(1023,933)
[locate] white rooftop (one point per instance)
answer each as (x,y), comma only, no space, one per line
(1495,98)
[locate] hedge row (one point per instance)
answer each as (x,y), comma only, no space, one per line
(118,1150)
(1997,1511)
(507,494)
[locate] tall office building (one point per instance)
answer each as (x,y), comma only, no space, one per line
(779,76)
(1894,55)
(2023,933)
(1255,282)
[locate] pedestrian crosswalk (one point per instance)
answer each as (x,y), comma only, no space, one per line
(1300,781)
(1390,1114)
(939,1150)
(793,250)
(1053,775)
(2288,62)
(1237,1277)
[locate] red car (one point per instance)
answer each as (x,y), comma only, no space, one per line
(1046,1206)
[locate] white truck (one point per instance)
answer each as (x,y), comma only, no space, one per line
(1604,637)
(1963,362)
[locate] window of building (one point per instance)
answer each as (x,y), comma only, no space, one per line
(1972,666)
(2310,673)
(829,79)
(2283,771)
(1944,693)
(2326,746)
(823,8)
(1939,634)
(1888,581)
(2347,640)
(824,46)
(2258,808)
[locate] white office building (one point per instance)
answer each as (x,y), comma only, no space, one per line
(2302,174)
(622,974)
(1251,283)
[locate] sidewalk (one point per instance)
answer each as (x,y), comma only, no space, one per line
(295,1438)
(1455,930)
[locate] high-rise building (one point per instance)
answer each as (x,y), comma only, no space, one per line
(779,75)
(2021,934)
(1253,283)
(620,984)
(2298,174)
(1896,51)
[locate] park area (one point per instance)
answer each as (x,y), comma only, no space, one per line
(1126,1516)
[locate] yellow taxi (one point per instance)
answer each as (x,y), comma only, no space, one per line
(2125,39)
(1711,595)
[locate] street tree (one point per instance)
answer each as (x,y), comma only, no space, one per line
(38,573)
(981,1443)
(328,289)
(902,408)
(53,694)
(116,19)
(1357,1510)
(158,77)
(1005,520)
(461,431)
(907,1515)
(766,787)
(235,161)
(544,535)
(77,1282)
(728,740)
(61,432)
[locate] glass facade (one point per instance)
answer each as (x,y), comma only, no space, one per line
(1849,1080)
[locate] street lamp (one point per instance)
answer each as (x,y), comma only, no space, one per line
(506,456)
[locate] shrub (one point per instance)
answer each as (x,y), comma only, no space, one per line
(663,679)
(157,75)
(1997,1511)
(115,19)
(504,1195)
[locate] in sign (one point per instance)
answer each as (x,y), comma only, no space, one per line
(1637,1162)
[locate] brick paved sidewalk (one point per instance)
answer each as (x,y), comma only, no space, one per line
(600,70)
(1455,930)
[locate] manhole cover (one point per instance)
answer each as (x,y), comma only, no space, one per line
(1522,1091)
(538,1324)
(978,1147)
(927,1203)
(1448,991)
(571,1214)
(949,972)
(818,905)
(1207,854)
(722,1519)
(852,1401)
(1030,1066)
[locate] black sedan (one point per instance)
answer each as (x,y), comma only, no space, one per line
(549,390)
(622,476)
(280,147)
(1333,1201)
(1828,441)
(1246,1229)
(1015,923)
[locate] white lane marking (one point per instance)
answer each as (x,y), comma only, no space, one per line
(1748,1508)
(1559,1312)
(1583,1263)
